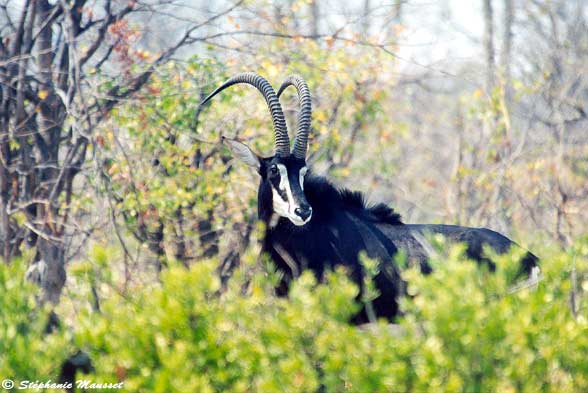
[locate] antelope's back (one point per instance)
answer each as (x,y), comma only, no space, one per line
(412,240)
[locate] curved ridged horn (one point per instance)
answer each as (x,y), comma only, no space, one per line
(251,78)
(304,116)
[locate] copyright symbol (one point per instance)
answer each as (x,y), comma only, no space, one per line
(8,384)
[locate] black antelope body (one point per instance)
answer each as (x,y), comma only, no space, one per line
(311,224)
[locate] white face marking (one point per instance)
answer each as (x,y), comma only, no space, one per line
(285,185)
(303,171)
(280,205)
(286,208)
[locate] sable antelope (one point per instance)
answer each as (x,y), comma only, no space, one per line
(311,224)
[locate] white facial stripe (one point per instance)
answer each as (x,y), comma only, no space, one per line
(285,185)
(301,177)
(283,176)
(282,207)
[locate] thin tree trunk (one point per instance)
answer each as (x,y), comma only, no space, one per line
(365,19)
(314,17)
(208,236)
(51,116)
(507,43)
(489,45)
(52,254)
(293,18)
(23,184)
(5,161)
(5,229)
(398,11)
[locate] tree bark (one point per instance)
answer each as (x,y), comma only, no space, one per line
(50,125)
(507,43)
(489,45)
(48,112)
(51,252)
(314,18)
(398,11)
(365,19)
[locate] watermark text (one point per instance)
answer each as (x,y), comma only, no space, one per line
(49,384)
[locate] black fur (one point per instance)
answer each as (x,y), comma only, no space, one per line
(343,225)
(379,213)
(79,361)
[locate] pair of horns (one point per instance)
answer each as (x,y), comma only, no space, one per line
(273,102)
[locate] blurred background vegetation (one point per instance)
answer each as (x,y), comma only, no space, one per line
(125,209)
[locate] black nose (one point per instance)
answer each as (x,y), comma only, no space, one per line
(304,211)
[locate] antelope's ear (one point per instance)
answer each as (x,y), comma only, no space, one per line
(242,152)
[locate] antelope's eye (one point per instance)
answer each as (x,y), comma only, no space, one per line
(273,170)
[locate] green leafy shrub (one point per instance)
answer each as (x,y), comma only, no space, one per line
(464,329)
(27,351)
(479,333)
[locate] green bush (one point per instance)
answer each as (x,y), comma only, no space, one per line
(479,333)
(464,329)
(27,351)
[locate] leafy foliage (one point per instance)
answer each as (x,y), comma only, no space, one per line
(27,350)
(163,178)
(167,171)
(479,334)
(464,329)
(440,148)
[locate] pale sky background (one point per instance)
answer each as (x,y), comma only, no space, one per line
(439,33)
(441,30)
